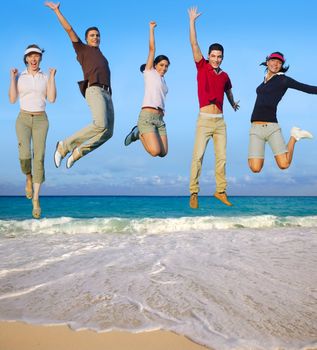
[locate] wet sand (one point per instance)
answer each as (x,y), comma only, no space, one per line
(21,336)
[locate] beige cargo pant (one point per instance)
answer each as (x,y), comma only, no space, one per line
(31,132)
(94,135)
(206,129)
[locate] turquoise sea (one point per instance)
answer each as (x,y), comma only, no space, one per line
(18,208)
(241,277)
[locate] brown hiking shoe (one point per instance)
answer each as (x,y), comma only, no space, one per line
(223,198)
(193,201)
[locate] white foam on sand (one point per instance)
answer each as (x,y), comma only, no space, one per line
(222,286)
(67,225)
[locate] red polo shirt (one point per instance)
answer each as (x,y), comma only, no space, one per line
(211,86)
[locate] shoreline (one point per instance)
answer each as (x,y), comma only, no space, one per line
(19,335)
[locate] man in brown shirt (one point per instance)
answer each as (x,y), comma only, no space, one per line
(96,88)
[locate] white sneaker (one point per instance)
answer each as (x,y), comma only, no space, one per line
(298,133)
(58,157)
(71,160)
(132,136)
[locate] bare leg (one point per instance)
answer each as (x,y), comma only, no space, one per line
(284,160)
(154,144)
(36,212)
(164,144)
(36,188)
(29,186)
(256,164)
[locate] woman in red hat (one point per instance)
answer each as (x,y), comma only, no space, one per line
(265,127)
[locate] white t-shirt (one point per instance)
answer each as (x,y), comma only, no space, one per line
(155,89)
(32,91)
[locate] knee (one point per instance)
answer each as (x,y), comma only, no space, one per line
(100,128)
(162,154)
(39,156)
(38,163)
(221,161)
(24,152)
(283,165)
(256,165)
(105,132)
(197,159)
(255,168)
(154,152)
(26,166)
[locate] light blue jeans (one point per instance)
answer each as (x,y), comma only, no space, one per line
(94,135)
(262,133)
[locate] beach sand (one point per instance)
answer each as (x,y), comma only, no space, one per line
(21,336)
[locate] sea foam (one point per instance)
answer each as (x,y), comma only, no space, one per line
(239,288)
(67,225)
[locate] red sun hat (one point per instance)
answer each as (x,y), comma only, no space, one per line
(276,56)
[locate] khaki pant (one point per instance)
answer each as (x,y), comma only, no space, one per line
(32,128)
(101,129)
(206,129)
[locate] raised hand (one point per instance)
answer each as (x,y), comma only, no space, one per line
(14,73)
(52,5)
(193,14)
(153,24)
(52,72)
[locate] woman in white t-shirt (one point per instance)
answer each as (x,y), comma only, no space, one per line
(33,88)
(151,127)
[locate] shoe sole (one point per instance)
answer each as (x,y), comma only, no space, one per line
(68,167)
(125,140)
(57,166)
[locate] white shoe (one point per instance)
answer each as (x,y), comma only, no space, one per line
(132,136)
(298,133)
(58,157)
(70,160)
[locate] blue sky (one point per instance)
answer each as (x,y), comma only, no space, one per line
(249,30)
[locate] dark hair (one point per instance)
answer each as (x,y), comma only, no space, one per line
(215,46)
(29,47)
(283,69)
(157,60)
(89,29)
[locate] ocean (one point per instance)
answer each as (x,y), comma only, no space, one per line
(241,277)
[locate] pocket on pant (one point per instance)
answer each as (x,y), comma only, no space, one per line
(253,131)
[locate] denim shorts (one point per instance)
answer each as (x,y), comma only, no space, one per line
(151,122)
(262,133)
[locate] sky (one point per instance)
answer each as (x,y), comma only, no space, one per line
(248,30)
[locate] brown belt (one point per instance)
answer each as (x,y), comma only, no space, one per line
(32,114)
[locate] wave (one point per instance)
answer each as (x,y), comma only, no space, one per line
(68,225)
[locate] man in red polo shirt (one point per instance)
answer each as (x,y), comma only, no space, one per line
(212,84)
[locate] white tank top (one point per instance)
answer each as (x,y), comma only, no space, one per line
(155,89)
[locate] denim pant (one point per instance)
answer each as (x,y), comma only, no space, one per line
(207,128)
(94,135)
(32,128)
(262,133)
